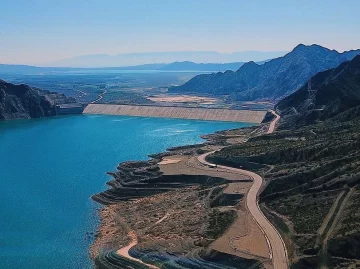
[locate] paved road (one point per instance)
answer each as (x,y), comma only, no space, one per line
(277,246)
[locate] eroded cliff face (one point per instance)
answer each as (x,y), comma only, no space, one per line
(335,93)
(23,102)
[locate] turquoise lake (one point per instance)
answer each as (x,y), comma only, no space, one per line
(49,168)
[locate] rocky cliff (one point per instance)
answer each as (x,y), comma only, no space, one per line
(332,92)
(22,101)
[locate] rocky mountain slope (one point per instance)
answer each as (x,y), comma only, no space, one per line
(332,92)
(311,169)
(312,189)
(272,80)
(22,101)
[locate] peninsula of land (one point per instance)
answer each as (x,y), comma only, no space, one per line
(179,210)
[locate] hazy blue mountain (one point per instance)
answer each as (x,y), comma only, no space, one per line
(275,79)
(28,69)
(13,68)
(176,66)
(132,59)
(191,66)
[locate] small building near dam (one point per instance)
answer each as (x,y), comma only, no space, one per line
(68,109)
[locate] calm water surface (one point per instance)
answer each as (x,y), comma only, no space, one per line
(49,168)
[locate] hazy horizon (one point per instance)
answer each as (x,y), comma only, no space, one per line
(42,32)
(143,58)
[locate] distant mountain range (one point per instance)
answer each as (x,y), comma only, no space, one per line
(333,92)
(132,59)
(275,79)
(190,66)
(175,66)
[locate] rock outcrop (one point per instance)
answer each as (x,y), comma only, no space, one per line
(332,92)
(23,102)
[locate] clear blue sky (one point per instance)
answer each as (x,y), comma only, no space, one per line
(41,31)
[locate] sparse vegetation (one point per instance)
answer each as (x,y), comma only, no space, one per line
(310,167)
(219,222)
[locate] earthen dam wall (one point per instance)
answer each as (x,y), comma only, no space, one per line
(212,114)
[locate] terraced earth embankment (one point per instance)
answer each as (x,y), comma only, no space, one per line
(177,208)
(212,114)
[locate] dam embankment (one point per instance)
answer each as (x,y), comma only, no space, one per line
(213,114)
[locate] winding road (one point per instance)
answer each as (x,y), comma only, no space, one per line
(278,253)
(101,95)
(125,250)
(277,247)
(273,123)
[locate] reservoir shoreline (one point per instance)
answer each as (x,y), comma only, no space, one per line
(169,165)
(67,214)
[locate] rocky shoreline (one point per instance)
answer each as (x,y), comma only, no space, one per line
(25,102)
(138,179)
(142,183)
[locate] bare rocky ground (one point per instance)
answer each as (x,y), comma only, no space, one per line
(311,191)
(183,213)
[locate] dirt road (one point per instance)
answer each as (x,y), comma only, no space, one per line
(273,123)
(277,246)
(101,95)
(125,250)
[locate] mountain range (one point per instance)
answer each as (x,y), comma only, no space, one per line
(191,66)
(131,59)
(332,92)
(274,79)
(175,66)
(312,189)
